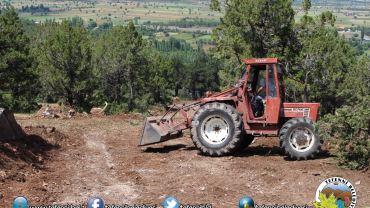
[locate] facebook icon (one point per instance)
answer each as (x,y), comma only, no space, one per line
(96,202)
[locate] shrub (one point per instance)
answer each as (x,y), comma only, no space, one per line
(19,105)
(113,108)
(348,130)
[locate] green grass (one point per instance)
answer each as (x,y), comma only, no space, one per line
(351,34)
(207,37)
(184,36)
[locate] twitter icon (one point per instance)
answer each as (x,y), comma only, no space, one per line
(171,202)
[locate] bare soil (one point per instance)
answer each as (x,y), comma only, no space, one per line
(88,156)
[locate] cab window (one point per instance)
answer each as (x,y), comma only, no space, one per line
(281,82)
(279,68)
(261,81)
(244,74)
(272,93)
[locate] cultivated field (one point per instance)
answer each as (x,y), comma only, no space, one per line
(119,12)
(347,13)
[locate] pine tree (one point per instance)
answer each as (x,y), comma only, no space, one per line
(326,58)
(123,59)
(348,126)
(254,28)
(65,62)
(202,74)
(17,76)
(159,76)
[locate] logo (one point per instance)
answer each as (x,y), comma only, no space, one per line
(96,202)
(171,202)
(335,192)
(261,60)
(20,202)
(246,202)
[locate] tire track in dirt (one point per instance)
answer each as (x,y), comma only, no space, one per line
(94,174)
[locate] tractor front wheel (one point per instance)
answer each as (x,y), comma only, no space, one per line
(217,129)
(299,140)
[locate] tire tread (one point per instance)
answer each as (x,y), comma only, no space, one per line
(284,140)
(238,133)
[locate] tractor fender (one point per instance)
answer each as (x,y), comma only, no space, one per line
(211,99)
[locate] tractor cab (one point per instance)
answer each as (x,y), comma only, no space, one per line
(265,90)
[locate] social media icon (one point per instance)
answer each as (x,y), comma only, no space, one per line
(171,202)
(20,202)
(246,202)
(96,202)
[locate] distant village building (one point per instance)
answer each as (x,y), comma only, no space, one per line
(96,28)
(350,13)
(366,38)
(340,28)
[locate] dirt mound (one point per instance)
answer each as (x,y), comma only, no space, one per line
(97,111)
(179,102)
(49,110)
(56,111)
(176,100)
(28,154)
(124,115)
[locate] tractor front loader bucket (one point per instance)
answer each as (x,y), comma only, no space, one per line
(158,129)
(9,128)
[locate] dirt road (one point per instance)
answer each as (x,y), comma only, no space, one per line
(98,156)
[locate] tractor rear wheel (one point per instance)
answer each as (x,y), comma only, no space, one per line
(299,140)
(217,129)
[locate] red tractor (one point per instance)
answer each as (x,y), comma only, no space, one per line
(229,120)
